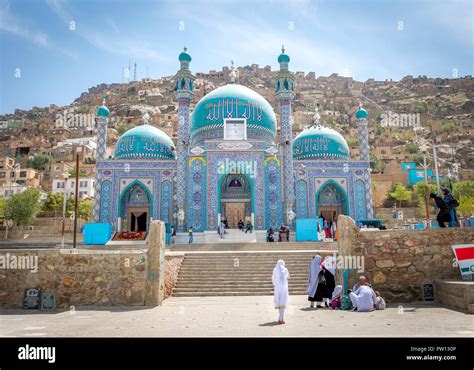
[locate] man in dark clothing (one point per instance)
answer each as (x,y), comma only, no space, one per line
(443,214)
(452,204)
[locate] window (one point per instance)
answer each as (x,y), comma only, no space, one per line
(23,174)
(2,175)
(60,185)
(83,184)
(235,129)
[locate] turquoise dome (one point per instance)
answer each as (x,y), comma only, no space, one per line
(320,143)
(361,113)
(283,58)
(184,57)
(103,111)
(144,141)
(233,102)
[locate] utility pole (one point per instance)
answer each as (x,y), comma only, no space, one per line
(76,195)
(135,72)
(65,177)
(435,160)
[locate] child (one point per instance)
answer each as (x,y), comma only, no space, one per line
(346,303)
(190,235)
(336,297)
(379,301)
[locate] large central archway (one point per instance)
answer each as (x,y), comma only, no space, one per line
(235,199)
(135,208)
(331,201)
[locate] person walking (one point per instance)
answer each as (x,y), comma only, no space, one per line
(190,235)
(314,270)
(452,205)
(443,213)
(280,283)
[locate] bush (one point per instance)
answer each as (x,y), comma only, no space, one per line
(22,208)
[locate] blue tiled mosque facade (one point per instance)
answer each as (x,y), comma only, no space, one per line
(227,163)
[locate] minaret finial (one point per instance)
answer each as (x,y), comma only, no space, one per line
(146,118)
(232,73)
(104,99)
(185,48)
(283,48)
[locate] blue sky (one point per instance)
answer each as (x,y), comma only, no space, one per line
(359,38)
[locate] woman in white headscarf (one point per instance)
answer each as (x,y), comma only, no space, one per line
(280,282)
(314,269)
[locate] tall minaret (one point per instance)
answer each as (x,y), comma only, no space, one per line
(285,93)
(184,87)
(363,135)
(102,122)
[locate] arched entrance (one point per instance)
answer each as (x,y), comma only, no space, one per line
(235,199)
(135,208)
(331,201)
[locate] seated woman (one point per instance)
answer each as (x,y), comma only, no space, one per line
(346,303)
(336,297)
(240,225)
(270,235)
(282,234)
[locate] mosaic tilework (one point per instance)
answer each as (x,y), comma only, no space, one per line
(360,200)
(106,199)
(273,201)
(197,194)
(301,199)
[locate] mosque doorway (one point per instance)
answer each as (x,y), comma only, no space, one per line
(331,202)
(235,200)
(135,208)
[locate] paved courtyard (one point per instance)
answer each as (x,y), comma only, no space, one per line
(238,317)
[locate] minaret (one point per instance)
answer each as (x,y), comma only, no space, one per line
(284,93)
(363,135)
(102,122)
(184,87)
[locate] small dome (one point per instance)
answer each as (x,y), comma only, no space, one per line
(283,58)
(184,57)
(144,141)
(361,113)
(103,111)
(233,101)
(320,143)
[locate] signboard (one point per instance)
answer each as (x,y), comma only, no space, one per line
(465,258)
(400,215)
(48,301)
(31,300)
(428,292)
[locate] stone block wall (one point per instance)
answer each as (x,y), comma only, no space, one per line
(86,277)
(398,262)
(103,278)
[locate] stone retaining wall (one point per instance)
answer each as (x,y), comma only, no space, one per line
(398,262)
(90,277)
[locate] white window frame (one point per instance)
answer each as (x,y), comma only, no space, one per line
(226,120)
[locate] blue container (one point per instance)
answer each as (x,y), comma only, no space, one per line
(307,229)
(96,233)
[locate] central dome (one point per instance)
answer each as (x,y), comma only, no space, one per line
(320,143)
(144,141)
(233,102)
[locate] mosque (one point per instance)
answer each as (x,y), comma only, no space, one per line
(227,164)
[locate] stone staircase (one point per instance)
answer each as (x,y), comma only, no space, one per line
(242,273)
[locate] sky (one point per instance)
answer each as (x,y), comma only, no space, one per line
(53,50)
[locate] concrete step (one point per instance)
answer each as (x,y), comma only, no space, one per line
(222,294)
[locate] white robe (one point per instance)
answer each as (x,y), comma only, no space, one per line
(363,298)
(280,282)
(314,269)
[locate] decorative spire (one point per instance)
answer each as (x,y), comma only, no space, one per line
(233,73)
(185,48)
(146,118)
(316,117)
(104,99)
(283,49)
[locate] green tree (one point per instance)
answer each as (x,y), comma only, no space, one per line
(39,161)
(84,209)
(22,208)
(53,202)
(463,191)
(412,148)
(419,189)
(422,108)
(72,173)
(448,127)
(353,142)
(400,193)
